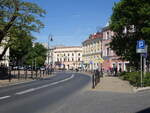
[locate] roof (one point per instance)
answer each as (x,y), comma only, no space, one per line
(106,28)
(97,35)
(61,47)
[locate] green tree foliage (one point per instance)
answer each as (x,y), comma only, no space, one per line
(18,15)
(20,47)
(37,54)
(134,16)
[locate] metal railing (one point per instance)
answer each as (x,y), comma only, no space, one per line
(9,73)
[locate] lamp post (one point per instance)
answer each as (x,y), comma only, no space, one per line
(101,56)
(49,39)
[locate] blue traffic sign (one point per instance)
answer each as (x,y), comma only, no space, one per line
(141,44)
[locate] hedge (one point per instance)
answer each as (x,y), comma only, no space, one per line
(134,78)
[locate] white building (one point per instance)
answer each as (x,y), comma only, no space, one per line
(67,57)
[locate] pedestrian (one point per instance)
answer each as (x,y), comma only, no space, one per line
(116,70)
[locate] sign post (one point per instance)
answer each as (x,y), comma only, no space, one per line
(141,70)
(142,49)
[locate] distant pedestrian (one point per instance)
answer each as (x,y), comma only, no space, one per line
(115,70)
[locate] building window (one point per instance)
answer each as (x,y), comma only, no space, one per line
(72,59)
(78,59)
(78,54)
(107,54)
(68,54)
(107,35)
(68,59)
(72,54)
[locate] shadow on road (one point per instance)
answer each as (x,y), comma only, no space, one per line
(147,110)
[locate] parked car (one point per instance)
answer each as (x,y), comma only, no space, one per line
(42,68)
(21,68)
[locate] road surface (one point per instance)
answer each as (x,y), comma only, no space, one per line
(35,96)
(67,93)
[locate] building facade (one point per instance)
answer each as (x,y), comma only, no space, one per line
(97,53)
(92,51)
(111,60)
(66,57)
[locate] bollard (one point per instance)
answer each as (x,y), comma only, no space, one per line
(98,78)
(93,81)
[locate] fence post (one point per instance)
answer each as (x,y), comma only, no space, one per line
(36,73)
(26,73)
(9,74)
(40,73)
(32,74)
(18,73)
(93,81)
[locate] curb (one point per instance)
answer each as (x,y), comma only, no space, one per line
(141,89)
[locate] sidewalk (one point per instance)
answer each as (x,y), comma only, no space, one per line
(113,84)
(4,83)
(14,81)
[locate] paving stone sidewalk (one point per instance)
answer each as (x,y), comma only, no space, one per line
(4,83)
(14,81)
(114,84)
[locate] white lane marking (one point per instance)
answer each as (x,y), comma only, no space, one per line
(25,91)
(44,86)
(4,97)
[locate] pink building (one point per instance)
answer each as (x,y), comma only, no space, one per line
(111,60)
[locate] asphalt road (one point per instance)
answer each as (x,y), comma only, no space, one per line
(66,93)
(34,97)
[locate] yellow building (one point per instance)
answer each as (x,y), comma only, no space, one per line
(92,52)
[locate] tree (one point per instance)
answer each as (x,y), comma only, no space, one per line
(131,22)
(20,46)
(37,54)
(18,15)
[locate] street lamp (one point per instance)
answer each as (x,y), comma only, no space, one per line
(101,55)
(49,39)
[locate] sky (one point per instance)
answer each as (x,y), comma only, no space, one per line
(70,22)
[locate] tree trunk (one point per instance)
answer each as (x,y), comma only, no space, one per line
(3,53)
(3,32)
